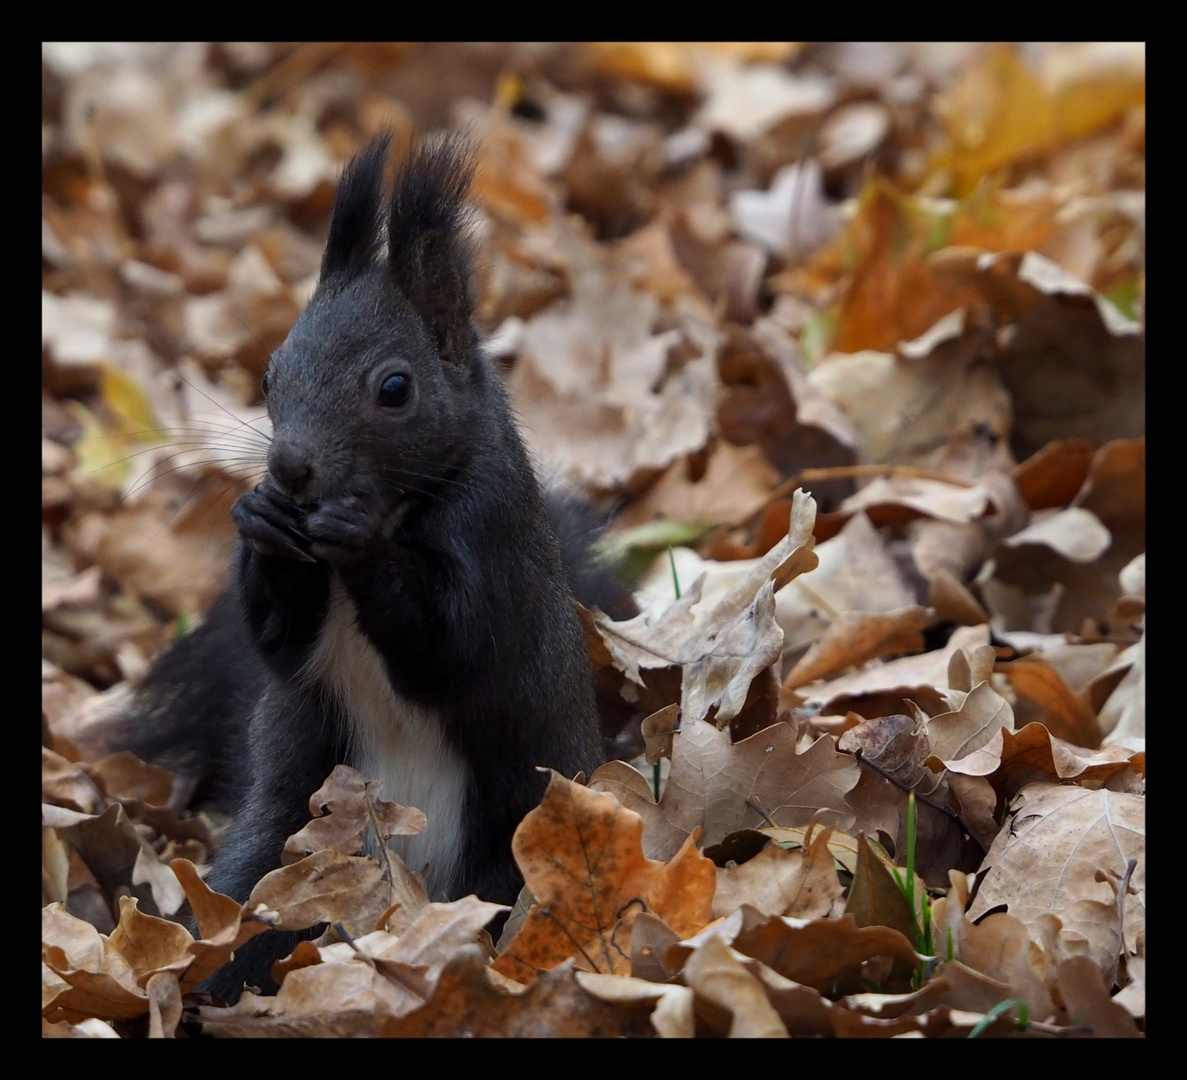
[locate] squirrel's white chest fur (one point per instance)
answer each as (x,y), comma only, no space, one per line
(396,741)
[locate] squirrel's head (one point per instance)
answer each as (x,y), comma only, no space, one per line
(375,390)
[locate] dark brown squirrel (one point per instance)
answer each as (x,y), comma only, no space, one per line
(404,589)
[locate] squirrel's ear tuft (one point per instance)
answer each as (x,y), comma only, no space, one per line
(428,251)
(355,239)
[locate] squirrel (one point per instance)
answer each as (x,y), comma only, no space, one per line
(402,601)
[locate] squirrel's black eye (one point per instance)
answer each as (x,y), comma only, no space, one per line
(266,384)
(395,390)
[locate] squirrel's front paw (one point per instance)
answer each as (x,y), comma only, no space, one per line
(271,523)
(340,530)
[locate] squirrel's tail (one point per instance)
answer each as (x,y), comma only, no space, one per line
(190,714)
(595,581)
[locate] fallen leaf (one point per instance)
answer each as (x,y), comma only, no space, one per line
(1050,859)
(722,650)
(581,856)
(776,881)
(855,637)
(346,811)
(721,788)
(714,975)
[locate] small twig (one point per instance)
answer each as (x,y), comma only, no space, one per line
(911,472)
(757,808)
(849,472)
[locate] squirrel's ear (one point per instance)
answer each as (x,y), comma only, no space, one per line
(428,252)
(354,239)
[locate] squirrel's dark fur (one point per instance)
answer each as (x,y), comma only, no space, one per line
(402,602)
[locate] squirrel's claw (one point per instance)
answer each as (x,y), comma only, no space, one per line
(270,525)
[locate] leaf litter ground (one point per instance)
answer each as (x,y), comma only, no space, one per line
(882,747)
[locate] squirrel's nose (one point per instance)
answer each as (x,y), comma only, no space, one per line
(289,468)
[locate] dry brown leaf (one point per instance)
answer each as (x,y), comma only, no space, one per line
(720,787)
(1115,492)
(1012,759)
(604,444)
(127,778)
(164,1005)
(890,685)
(102,983)
(1123,716)
(1069,345)
(1051,476)
(63,783)
(320,1001)
(728,271)
(151,945)
(968,670)
(657,269)
(1074,533)
(346,810)
(806,1013)
(221,923)
(173,544)
(1132,996)
(721,982)
(770,401)
(735,484)
(119,857)
(899,498)
(894,752)
(1086,999)
(894,294)
(668,65)
(72,590)
(991,955)
(898,745)
(856,572)
(351,988)
(658,731)
(1053,859)
(881,393)
(673,1016)
(952,601)
(77,330)
(438,933)
(978,992)
(978,717)
(1067,715)
(556,1005)
(812,952)
(791,217)
(328,886)
(744,101)
(776,881)
(595,392)
(722,650)
(581,856)
(855,637)
(876,898)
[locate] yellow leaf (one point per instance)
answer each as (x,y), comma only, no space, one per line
(1001,111)
(101,453)
(996,114)
(128,403)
